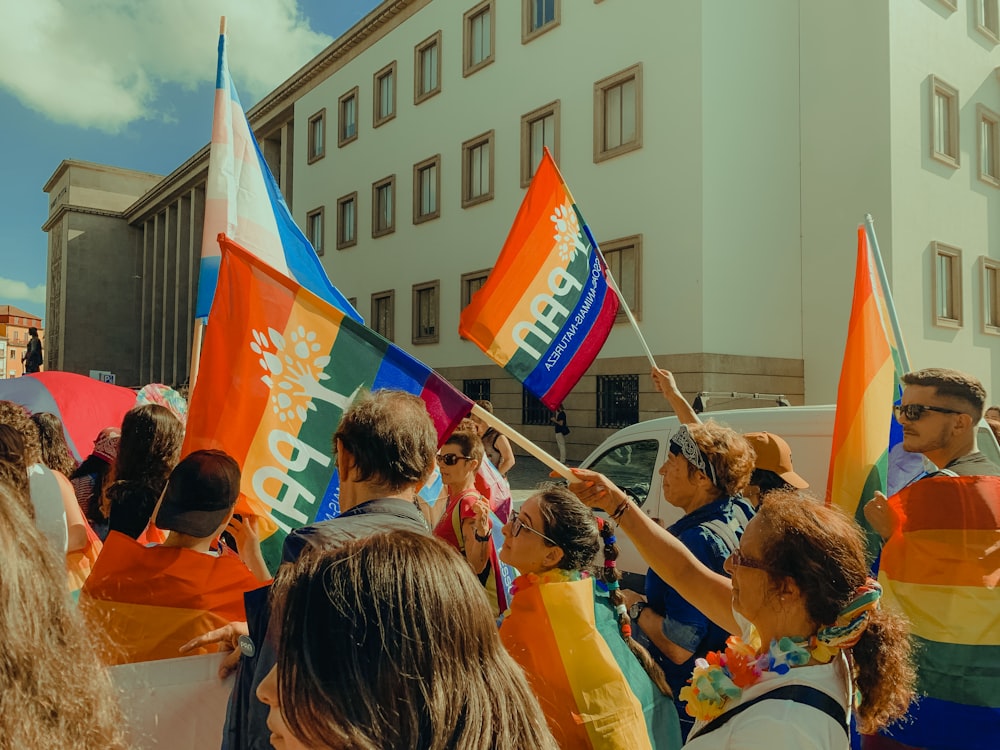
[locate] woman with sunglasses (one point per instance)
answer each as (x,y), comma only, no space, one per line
(708,467)
(466,524)
(811,643)
(570,631)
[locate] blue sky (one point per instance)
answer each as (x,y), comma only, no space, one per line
(128,83)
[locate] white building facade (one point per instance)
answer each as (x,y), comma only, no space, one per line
(723,154)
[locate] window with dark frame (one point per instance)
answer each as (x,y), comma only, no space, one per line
(947,286)
(314,223)
(347,107)
(617,400)
(427,68)
(384,206)
(478,39)
(426,312)
(427,189)
(472,283)
(533,411)
(624,259)
(317,137)
(618,113)
(991,295)
(944,123)
(384,95)
(539,129)
(478,389)
(538,17)
(477,170)
(347,221)
(384,314)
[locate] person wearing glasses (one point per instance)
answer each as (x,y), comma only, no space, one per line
(708,467)
(810,638)
(569,629)
(466,524)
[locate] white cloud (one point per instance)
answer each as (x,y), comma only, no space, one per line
(100,63)
(11,290)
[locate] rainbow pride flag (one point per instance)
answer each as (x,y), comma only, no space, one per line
(546,309)
(149,601)
(941,569)
(243,201)
(592,689)
(866,438)
(279,366)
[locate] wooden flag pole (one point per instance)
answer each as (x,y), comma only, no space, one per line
(532,448)
(621,297)
(199,332)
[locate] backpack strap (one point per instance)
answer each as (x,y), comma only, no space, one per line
(804,694)
(724,531)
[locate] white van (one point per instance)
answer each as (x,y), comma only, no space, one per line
(632,457)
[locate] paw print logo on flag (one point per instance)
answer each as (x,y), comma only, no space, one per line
(567,234)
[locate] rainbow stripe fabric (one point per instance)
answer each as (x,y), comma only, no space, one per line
(243,201)
(279,366)
(591,687)
(941,569)
(146,602)
(864,431)
(546,309)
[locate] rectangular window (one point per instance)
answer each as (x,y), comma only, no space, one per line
(385,95)
(427,68)
(426,189)
(617,400)
(538,130)
(384,206)
(944,122)
(314,223)
(472,283)
(478,389)
(426,310)
(624,257)
(384,313)
(353,302)
(537,17)
(317,136)
(478,40)
(988,20)
(618,113)
(347,107)
(990,268)
(347,221)
(947,285)
(477,170)
(989,146)
(533,411)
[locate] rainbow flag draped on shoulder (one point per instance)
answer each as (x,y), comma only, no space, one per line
(149,601)
(591,687)
(867,453)
(279,366)
(546,309)
(941,568)
(243,201)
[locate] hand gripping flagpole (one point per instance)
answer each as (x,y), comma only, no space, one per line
(536,451)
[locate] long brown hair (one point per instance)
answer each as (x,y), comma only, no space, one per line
(389,641)
(54,692)
(52,439)
(823,551)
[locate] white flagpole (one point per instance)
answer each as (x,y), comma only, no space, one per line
(532,448)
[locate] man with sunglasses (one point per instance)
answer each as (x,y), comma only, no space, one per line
(708,467)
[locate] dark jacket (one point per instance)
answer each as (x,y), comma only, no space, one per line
(246,717)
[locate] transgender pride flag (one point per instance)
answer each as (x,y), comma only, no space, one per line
(242,201)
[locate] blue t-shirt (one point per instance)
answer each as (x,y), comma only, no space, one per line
(682,623)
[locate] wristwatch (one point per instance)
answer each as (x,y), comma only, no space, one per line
(636,609)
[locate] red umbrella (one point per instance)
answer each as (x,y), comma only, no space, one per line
(85,406)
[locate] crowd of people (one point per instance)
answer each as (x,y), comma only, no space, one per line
(761,623)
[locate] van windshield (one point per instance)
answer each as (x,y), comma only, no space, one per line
(630,466)
(987,444)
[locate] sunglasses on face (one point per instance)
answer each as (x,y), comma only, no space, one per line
(450,459)
(914,412)
(516,524)
(741,561)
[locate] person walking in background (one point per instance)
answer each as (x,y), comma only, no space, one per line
(559,422)
(32,357)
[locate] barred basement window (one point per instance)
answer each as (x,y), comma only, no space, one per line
(617,400)
(533,411)
(478,389)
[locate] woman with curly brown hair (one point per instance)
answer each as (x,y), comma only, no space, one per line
(388,642)
(812,637)
(53,690)
(52,439)
(148,450)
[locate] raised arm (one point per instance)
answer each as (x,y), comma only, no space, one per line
(710,592)
(665,384)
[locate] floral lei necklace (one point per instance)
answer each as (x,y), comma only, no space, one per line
(722,676)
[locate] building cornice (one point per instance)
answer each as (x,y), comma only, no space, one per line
(66,208)
(190,174)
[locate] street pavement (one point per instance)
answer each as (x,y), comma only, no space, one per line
(526,477)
